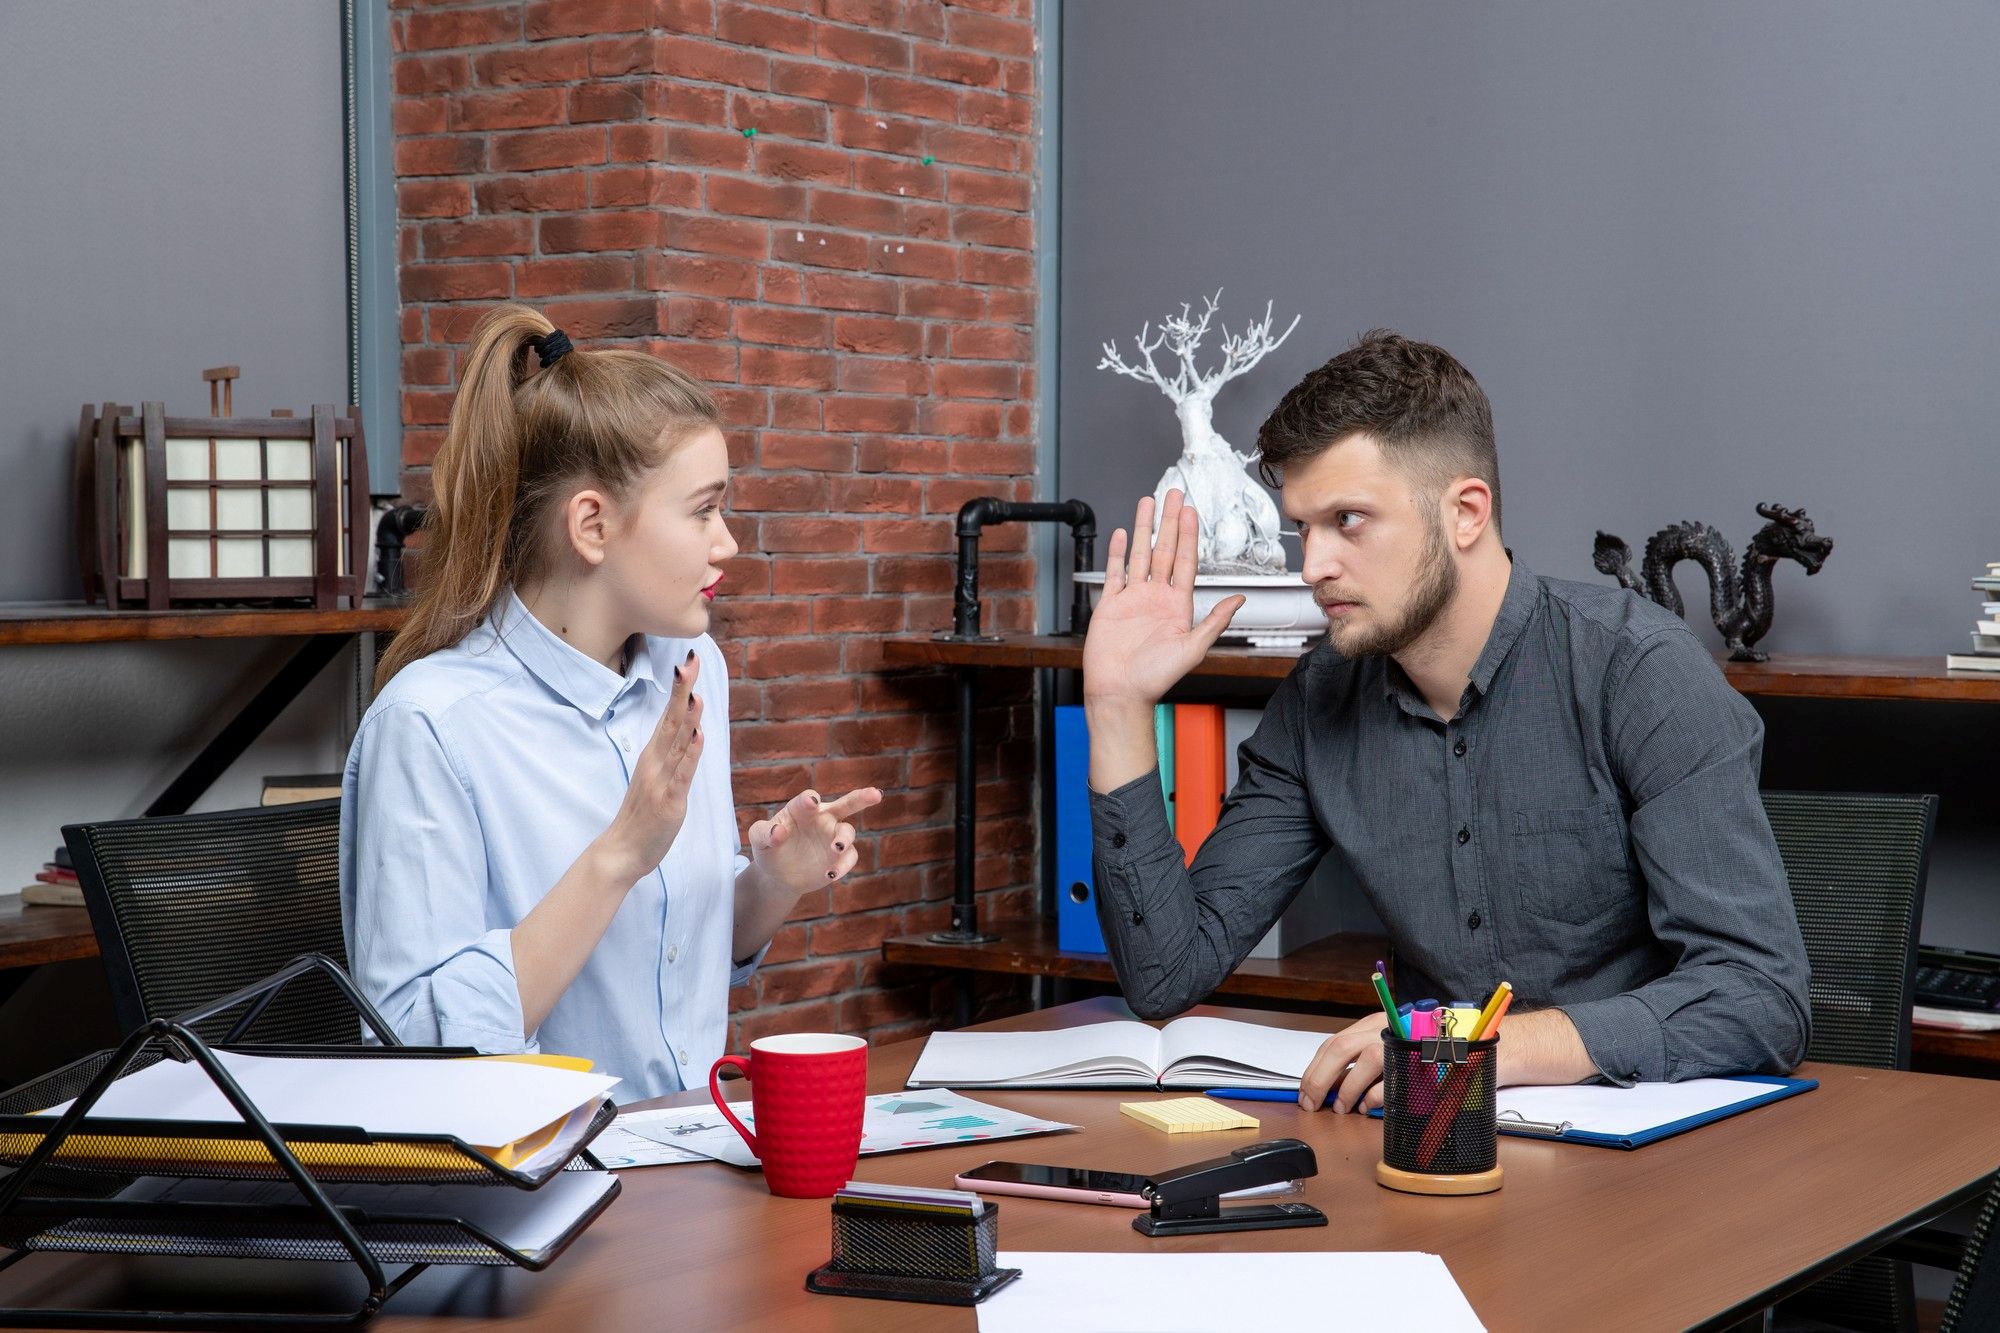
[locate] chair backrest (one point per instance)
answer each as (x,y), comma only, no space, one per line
(1975,1298)
(189,908)
(1857,863)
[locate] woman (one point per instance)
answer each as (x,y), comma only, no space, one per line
(538,840)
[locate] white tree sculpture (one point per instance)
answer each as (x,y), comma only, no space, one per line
(1239,524)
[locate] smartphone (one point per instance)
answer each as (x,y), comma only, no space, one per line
(1073,1184)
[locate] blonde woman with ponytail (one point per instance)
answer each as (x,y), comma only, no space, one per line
(538,839)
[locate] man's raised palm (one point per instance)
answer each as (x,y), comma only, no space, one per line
(1142,636)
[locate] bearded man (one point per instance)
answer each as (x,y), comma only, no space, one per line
(1533,780)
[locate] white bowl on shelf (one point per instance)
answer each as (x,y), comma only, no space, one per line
(1278,609)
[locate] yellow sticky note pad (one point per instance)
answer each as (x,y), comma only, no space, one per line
(1188,1115)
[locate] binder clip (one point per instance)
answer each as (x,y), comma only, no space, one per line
(1446,1048)
(1187,1201)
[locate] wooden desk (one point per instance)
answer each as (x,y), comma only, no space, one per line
(1708,1225)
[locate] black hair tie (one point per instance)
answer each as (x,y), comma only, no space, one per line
(551,347)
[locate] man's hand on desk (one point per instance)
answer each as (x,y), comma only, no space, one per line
(1142,638)
(1541,1047)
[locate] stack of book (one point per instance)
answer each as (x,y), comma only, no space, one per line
(55,884)
(1985,654)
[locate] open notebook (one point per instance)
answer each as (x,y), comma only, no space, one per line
(1186,1053)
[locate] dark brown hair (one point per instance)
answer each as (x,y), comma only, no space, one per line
(1427,412)
(520,440)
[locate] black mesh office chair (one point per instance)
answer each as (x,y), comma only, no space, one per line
(190,908)
(1975,1297)
(1856,863)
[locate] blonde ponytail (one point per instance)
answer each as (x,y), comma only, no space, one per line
(520,439)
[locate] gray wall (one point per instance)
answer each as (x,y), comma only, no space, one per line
(1699,255)
(170,199)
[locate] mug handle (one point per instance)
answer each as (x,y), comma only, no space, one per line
(742,1066)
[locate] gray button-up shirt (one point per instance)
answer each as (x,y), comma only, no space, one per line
(1587,827)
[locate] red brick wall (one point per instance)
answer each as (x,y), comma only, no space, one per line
(856,281)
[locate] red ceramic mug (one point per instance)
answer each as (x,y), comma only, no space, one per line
(807,1091)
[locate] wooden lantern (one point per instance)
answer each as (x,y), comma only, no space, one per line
(179,510)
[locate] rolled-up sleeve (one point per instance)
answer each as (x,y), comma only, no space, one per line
(740,973)
(1736,1000)
(414,884)
(1176,930)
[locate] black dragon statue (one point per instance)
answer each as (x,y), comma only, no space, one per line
(1740,604)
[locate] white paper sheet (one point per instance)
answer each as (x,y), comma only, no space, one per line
(890,1122)
(484,1102)
(1225,1293)
(1643,1106)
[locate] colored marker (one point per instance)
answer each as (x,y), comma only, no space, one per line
(1423,1020)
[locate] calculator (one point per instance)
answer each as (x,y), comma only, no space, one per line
(1958,979)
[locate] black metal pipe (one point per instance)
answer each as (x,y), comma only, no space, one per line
(974,516)
(390,534)
(977,514)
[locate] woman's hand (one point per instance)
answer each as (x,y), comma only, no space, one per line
(809,842)
(649,819)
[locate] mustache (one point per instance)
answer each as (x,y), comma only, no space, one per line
(1327,597)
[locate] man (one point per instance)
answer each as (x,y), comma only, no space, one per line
(1533,780)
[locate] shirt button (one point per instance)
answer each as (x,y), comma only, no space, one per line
(684,1055)
(1472,922)
(1138,917)
(1117,840)
(1459,749)
(1464,836)
(673,952)
(626,746)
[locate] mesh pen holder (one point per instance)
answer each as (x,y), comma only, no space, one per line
(1438,1130)
(904,1255)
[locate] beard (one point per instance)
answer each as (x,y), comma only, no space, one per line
(1431,591)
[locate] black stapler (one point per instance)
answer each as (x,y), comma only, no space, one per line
(1188,1200)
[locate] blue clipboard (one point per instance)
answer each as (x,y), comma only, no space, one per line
(1780,1088)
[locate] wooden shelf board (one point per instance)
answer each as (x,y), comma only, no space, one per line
(1333,971)
(1911,678)
(74,622)
(30,936)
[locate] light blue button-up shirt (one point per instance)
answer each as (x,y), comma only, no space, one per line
(477,778)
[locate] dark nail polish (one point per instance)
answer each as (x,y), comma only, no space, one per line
(690,701)
(840,846)
(829,874)
(690,656)
(677,673)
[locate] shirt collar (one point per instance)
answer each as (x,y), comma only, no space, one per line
(1523,590)
(1517,604)
(589,686)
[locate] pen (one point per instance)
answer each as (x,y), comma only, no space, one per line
(1253,1094)
(1389,1007)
